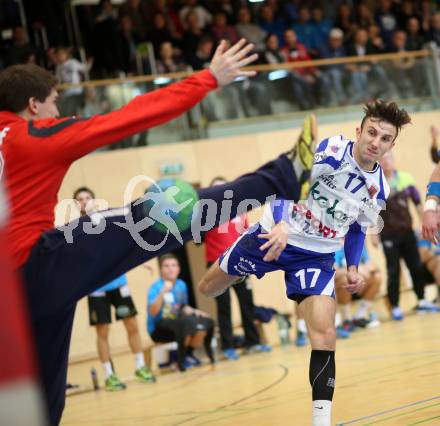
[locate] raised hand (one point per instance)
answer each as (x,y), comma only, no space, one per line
(225,64)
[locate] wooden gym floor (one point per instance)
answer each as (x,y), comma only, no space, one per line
(387,376)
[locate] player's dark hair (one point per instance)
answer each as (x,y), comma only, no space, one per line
(83,189)
(167,256)
(386,111)
(19,83)
(216,179)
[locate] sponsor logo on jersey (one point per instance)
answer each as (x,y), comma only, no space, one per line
(328,180)
(372,190)
(245,266)
(330,205)
(320,156)
(312,222)
(334,148)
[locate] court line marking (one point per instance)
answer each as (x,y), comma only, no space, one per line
(238,401)
(391,410)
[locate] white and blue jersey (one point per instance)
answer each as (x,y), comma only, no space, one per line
(343,201)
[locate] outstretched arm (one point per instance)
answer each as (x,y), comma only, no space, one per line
(73,138)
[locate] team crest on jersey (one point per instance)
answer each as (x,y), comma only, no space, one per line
(372,190)
(334,148)
(320,156)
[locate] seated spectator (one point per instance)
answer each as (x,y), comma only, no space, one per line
(409,72)
(364,17)
(170,318)
(105,38)
(372,277)
(70,70)
(385,16)
(368,79)
(406,12)
(269,23)
(127,46)
(304,28)
(334,48)
(203,54)
(159,33)
(414,39)
(345,21)
(138,14)
(168,60)
(314,81)
(222,31)
(375,40)
(167,9)
(434,31)
(321,29)
(250,31)
(204,17)
(192,37)
(20,51)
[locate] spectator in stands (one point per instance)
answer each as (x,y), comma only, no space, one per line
(375,40)
(398,237)
(20,51)
(167,9)
(414,40)
(105,38)
(250,31)
(94,103)
(216,242)
(372,277)
(408,72)
(406,12)
(70,70)
(203,53)
(159,33)
(434,31)
(226,7)
(304,28)
(269,23)
(116,293)
(336,73)
(314,82)
(204,17)
(168,60)
(321,29)
(138,14)
(170,318)
(221,30)
(127,46)
(364,18)
(192,37)
(385,16)
(345,21)
(367,78)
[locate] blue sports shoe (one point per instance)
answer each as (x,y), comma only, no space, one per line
(231,354)
(301,339)
(193,360)
(258,348)
(425,306)
(396,314)
(341,333)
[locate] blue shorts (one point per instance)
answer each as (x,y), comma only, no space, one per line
(307,273)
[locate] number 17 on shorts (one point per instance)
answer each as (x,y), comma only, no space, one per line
(310,282)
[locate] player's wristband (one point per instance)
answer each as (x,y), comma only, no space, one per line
(433,189)
(430,205)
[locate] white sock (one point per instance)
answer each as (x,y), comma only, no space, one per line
(301,325)
(364,307)
(140,361)
(321,412)
(346,312)
(108,370)
(338,319)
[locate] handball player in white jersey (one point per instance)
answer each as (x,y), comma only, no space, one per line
(347,191)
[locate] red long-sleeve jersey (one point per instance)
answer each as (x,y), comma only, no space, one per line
(37,154)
